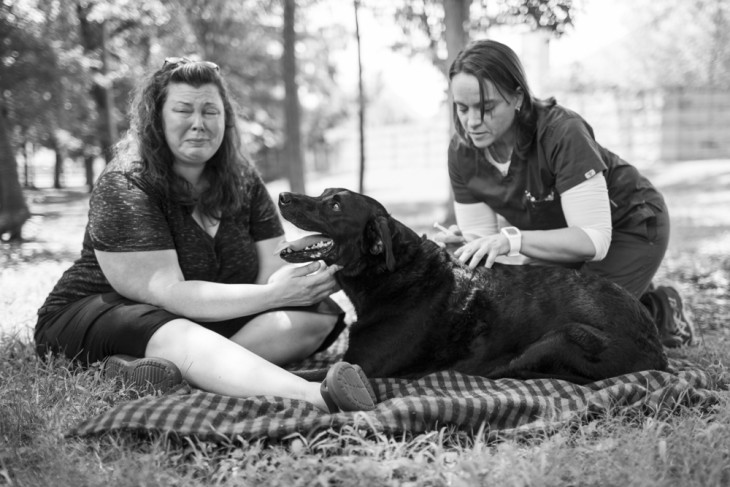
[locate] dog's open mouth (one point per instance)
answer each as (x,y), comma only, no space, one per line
(305,249)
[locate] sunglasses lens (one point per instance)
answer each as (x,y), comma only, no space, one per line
(174,61)
(212,65)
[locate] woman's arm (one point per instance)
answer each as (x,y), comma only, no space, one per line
(154,277)
(269,261)
(587,207)
(272,267)
(561,245)
(587,236)
(475,220)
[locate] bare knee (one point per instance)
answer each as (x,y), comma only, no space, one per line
(171,339)
(285,336)
(317,327)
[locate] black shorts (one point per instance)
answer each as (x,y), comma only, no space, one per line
(98,326)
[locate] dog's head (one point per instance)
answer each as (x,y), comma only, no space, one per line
(353,230)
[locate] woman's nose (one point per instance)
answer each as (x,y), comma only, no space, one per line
(474,118)
(197,121)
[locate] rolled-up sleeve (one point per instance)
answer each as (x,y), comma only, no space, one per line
(587,207)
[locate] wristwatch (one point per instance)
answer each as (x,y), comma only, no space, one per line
(514,236)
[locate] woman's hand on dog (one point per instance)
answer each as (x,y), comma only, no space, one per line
(488,248)
(302,285)
(470,248)
(450,238)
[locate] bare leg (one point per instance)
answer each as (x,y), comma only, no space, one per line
(282,337)
(213,363)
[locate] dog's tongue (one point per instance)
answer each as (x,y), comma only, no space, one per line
(300,243)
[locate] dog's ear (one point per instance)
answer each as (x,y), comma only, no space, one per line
(380,241)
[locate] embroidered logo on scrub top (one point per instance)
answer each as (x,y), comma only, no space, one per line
(590,174)
(532,199)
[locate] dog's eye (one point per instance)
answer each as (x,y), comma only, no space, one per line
(336,206)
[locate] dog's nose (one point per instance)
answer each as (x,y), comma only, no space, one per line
(284,198)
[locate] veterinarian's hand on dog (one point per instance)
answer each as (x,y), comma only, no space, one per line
(450,238)
(490,247)
(306,284)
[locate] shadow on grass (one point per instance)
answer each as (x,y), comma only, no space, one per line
(54,231)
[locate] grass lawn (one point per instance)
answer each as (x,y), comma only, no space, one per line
(40,402)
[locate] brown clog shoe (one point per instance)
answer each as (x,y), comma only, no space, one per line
(146,375)
(346,388)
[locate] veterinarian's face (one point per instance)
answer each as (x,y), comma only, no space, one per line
(194,122)
(499,113)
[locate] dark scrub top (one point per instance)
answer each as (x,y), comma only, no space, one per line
(564,154)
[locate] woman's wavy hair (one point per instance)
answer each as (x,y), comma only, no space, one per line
(146,152)
(488,60)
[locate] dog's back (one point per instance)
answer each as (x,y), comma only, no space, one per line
(560,323)
(432,313)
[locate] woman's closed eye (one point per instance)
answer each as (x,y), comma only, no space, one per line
(488,108)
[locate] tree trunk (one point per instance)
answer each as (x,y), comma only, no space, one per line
(58,165)
(293,142)
(58,170)
(89,171)
(27,173)
(360,99)
(456,20)
(13,209)
(107,91)
(94,38)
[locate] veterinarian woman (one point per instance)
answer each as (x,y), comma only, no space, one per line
(530,180)
(177,276)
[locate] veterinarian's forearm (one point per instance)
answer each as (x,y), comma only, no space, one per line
(562,245)
(476,219)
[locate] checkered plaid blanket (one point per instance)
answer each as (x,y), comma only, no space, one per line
(499,407)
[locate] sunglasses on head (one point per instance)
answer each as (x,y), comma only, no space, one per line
(175,61)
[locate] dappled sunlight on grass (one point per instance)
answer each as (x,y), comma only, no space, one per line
(23,290)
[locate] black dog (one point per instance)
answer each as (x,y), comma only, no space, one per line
(419,310)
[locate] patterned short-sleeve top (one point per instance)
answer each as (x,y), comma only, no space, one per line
(126,214)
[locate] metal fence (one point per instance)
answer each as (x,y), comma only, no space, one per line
(641,127)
